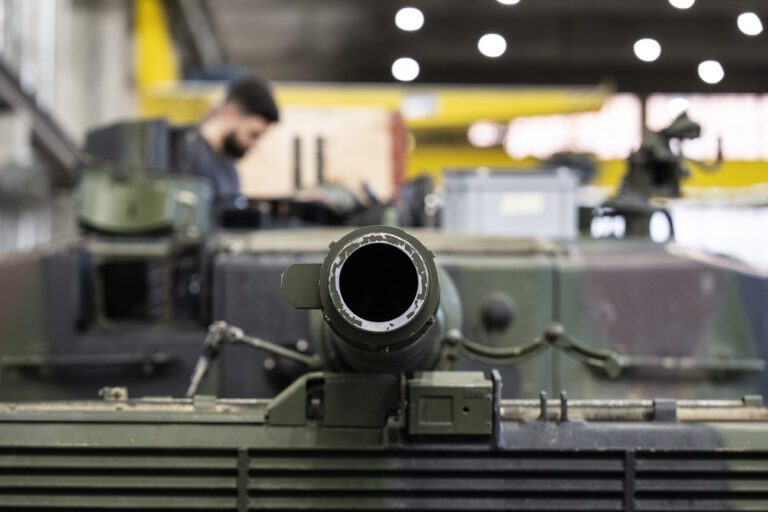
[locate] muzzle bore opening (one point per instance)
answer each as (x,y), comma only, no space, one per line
(378,282)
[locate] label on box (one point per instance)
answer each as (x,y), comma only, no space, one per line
(522,204)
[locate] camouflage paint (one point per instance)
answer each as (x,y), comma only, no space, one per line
(528,282)
(23,305)
(636,299)
(159,454)
(655,304)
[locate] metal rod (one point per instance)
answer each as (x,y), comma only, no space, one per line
(630,410)
(320,160)
(260,344)
(297,163)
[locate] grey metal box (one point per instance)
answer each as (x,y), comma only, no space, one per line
(512,203)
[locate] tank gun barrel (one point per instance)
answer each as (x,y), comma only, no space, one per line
(385,304)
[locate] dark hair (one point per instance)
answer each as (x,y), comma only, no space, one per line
(254,97)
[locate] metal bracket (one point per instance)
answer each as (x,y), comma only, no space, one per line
(610,363)
(220,333)
(664,410)
(497,385)
(299,285)
(450,403)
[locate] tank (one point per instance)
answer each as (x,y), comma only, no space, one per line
(378,423)
(689,325)
(128,303)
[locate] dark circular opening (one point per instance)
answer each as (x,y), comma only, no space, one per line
(378,282)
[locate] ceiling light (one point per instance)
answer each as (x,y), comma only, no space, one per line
(492,45)
(749,23)
(484,134)
(405,69)
(409,19)
(711,71)
(508,2)
(682,4)
(647,49)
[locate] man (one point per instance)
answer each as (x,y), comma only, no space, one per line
(228,133)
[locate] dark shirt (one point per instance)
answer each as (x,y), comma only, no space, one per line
(219,169)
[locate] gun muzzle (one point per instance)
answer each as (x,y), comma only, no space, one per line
(381,297)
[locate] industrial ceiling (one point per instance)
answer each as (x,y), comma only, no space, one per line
(561,42)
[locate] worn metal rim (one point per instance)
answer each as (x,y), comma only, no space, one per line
(356,320)
(395,339)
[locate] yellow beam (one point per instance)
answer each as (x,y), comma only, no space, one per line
(155,55)
(422,107)
(450,107)
(440,107)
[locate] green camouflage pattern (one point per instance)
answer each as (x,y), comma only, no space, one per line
(661,305)
(23,305)
(204,454)
(445,440)
(695,321)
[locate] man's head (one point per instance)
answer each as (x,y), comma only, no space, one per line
(245,115)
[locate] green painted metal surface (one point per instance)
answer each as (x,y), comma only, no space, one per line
(139,204)
(683,326)
(165,455)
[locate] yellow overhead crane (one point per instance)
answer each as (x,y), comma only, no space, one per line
(435,107)
(425,109)
(155,57)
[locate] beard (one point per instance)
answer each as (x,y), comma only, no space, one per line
(232,147)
